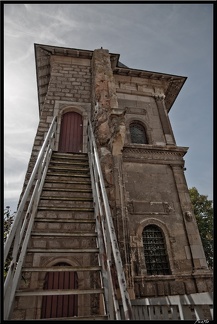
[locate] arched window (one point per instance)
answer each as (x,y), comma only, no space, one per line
(156,258)
(137,133)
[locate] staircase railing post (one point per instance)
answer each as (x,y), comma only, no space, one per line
(27,191)
(102,244)
(21,224)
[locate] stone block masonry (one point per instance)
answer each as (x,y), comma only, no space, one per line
(145,182)
(69,81)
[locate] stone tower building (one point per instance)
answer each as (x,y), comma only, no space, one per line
(143,171)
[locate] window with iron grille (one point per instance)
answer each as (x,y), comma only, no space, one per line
(156,258)
(137,133)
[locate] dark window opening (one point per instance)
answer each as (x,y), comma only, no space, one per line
(156,258)
(138,134)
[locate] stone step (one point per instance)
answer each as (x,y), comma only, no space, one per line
(61,162)
(69,156)
(65,214)
(64,225)
(68,169)
(69,193)
(62,184)
(56,251)
(66,190)
(62,202)
(79,318)
(57,176)
(53,292)
(49,242)
(41,219)
(79,234)
(83,199)
(70,163)
(67,206)
(60,269)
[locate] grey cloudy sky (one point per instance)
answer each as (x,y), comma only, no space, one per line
(168,38)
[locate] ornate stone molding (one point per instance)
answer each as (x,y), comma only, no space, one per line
(135,241)
(188,216)
(149,207)
(172,92)
(148,152)
(174,83)
(136,111)
(159,96)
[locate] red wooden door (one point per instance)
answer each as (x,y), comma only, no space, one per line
(60,305)
(71,133)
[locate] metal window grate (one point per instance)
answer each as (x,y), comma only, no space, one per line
(155,251)
(137,133)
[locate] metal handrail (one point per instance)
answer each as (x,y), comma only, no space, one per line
(109,250)
(20,231)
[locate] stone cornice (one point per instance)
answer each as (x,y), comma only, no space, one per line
(144,153)
(42,57)
(174,82)
(72,52)
(202,273)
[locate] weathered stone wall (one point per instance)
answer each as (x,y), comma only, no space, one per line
(142,109)
(146,96)
(145,183)
(153,286)
(155,192)
(69,82)
(109,129)
(106,127)
(70,79)
(35,280)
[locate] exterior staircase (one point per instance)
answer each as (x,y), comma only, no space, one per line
(62,255)
(64,229)
(62,250)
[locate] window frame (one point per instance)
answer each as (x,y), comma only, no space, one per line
(143,128)
(162,270)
